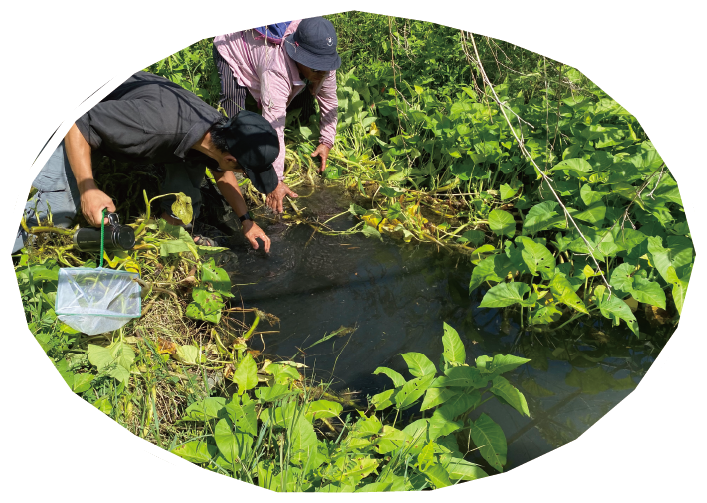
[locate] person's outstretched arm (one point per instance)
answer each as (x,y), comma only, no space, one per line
(228,185)
(93,200)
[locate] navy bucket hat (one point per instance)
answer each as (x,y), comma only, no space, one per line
(313,44)
(253,142)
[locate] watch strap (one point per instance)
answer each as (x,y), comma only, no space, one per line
(245,217)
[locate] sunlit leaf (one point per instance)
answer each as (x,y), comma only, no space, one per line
(616,309)
(182,208)
(563,292)
(491,441)
(246,374)
(501,387)
(436,396)
(502,223)
(537,257)
(419,365)
(398,380)
(508,294)
(235,447)
(203,410)
(412,391)
(454,352)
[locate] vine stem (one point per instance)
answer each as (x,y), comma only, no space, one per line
(537,168)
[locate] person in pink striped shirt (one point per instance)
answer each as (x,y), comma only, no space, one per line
(276,63)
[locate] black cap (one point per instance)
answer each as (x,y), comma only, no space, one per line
(313,44)
(253,142)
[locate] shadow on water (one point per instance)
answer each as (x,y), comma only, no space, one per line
(397,297)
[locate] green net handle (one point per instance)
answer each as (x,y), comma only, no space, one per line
(103,214)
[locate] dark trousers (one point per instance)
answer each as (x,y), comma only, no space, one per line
(233,95)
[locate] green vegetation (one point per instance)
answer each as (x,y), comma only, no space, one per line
(367,453)
(551,187)
(515,162)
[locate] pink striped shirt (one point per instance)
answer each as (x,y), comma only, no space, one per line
(274,80)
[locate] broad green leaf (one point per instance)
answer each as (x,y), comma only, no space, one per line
(502,223)
(246,374)
(234,446)
(474,236)
(206,306)
(188,354)
(648,292)
(437,396)
(370,231)
(398,380)
(418,432)
(280,416)
(196,451)
(437,476)
(454,352)
(242,414)
(412,391)
(501,387)
(319,409)
(383,400)
(419,365)
(82,382)
(103,404)
(628,238)
(460,469)
(206,409)
(574,167)
(441,426)
(500,364)
(216,278)
(118,357)
(621,277)
(537,257)
(543,216)
(594,214)
(677,256)
(508,294)
(272,393)
(461,376)
(590,196)
(491,441)
(679,288)
(283,374)
(546,314)
(458,405)
(303,440)
(507,191)
(375,487)
(562,291)
(493,268)
(172,246)
(390,439)
(616,309)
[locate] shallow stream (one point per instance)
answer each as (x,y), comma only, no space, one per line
(397,295)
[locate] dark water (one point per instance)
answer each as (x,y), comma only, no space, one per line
(397,297)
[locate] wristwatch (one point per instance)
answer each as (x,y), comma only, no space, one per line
(245,217)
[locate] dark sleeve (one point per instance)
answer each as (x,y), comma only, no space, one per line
(113,124)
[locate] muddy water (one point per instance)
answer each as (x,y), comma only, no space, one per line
(396,296)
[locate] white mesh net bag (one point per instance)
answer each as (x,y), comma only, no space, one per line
(95,301)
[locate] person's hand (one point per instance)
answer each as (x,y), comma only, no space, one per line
(92,203)
(323,152)
(252,231)
(275,198)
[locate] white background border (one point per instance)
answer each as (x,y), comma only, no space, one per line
(649,56)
